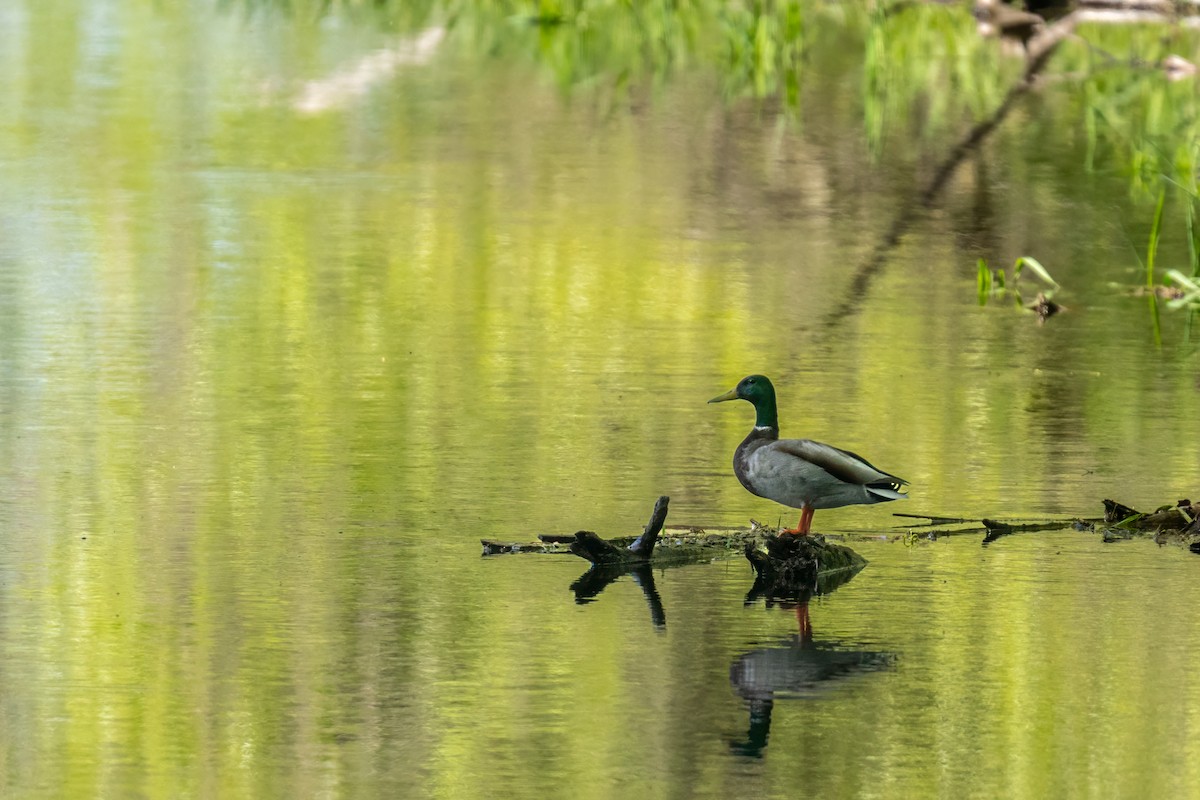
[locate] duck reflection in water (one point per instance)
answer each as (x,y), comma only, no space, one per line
(801,667)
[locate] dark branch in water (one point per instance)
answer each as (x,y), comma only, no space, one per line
(935,520)
(1040,48)
(1177,524)
(596,550)
(644,545)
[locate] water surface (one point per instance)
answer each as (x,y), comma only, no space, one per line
(267,375)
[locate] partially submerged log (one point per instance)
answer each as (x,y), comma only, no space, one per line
(932,529)
(495,547)
(1169,524)
(679,540)
(675,544)
(658,544)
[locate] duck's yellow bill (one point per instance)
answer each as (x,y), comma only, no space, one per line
(730,395)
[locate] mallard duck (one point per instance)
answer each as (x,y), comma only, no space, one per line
(801,473)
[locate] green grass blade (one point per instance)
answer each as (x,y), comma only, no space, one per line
(1189,222)
(1188,282)
(1186,300)
(1036,267)
(1155,232)
(1189,217)
(1155,323)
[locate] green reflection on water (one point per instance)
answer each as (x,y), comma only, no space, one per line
(266,376)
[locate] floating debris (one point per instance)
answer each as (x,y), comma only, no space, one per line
(1044,307)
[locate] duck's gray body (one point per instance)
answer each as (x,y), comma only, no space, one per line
(801,472)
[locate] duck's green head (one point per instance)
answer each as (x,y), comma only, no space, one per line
(756,389)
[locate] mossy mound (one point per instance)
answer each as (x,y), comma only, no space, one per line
(799,566)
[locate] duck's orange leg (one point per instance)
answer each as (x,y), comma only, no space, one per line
(805,523)
(806,515)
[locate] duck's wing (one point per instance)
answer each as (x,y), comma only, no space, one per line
(842,464)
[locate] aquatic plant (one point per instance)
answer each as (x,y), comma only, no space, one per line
(991,283)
